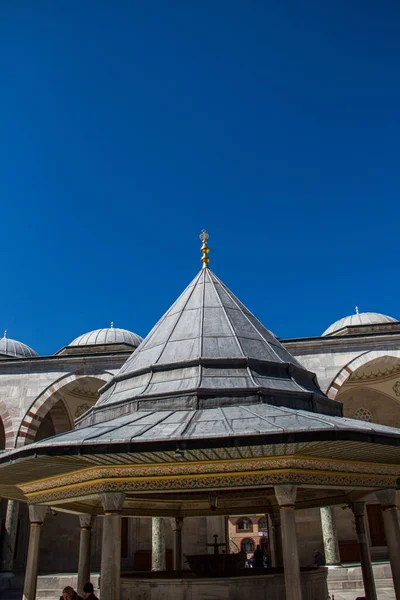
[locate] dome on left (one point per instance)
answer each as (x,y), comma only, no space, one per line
(9,347)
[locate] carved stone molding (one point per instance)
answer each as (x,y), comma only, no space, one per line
(286,494)
(37,513)
(86,521)
(387,498)
(112,502)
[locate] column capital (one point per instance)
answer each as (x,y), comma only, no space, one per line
(112,502)
(37,513)
(86,521)
(358,509)
(177,523)
(387,498)
(286,494)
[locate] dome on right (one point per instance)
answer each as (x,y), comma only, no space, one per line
(341,327)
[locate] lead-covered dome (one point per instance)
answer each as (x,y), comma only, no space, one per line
(364,318)
(9,347)
(107,335)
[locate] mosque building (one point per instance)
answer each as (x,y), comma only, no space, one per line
(356,362)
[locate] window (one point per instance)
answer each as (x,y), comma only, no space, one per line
(244,524)
(363,414)
(247,545)
(262,523)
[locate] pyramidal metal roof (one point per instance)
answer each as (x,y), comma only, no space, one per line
(208,351)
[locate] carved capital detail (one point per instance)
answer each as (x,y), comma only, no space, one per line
(387,498)
(86,521)
(37,513)
(286,494)
(112,502)
(358,509)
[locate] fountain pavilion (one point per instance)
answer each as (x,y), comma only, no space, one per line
(211,415)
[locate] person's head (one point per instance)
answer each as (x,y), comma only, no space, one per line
(68,593)
(258,547)
(88,589)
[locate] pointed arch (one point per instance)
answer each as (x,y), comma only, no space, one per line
(343,375)
(47,399)
(7,425)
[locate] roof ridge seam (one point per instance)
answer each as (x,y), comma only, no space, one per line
(161,420)
(263,418)
(229,426)
(150,334)
(252,324)
(235,337)
(179,317)
(200,375)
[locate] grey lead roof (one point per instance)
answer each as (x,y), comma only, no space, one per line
(107,335)
(208,349)
(217,424)
(207,321)
(9,347)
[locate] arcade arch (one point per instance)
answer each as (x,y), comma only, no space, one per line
(55,410)
(360,361)
(371,391)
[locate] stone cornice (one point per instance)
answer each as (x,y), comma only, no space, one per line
(40,364)
(321,345)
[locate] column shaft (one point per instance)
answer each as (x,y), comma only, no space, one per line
(276,549)
(331,544)
(85,542)
(286,496)
(111,557)
(9,536)
(178,543)
(392,531)
(110,574)
(366,565)
(36,516)
(158,544)
(387,499)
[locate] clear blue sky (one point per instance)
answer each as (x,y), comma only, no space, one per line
(127,127)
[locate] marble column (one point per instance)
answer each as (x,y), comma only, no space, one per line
(9,536)
(177,527)
(110,573)
(329,534)
(286,496)
(276,539)
(85,541)
(387,498)
(358,509)
(158,544)
(37,515)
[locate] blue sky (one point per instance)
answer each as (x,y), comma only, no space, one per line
(127,127)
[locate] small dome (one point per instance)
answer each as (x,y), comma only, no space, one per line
(108,335)
(366,318)
(9,347)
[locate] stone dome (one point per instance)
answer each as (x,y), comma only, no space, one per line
(108,335)
(364,318)
(9,347)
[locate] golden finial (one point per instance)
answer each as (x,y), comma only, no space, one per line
(204,249)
